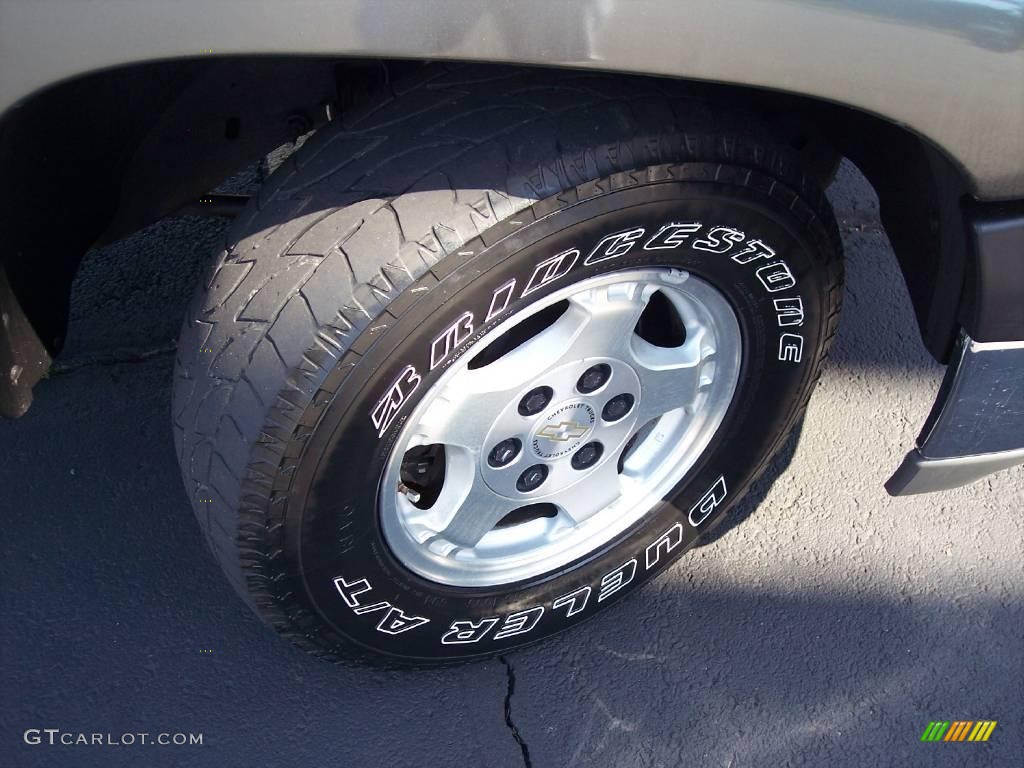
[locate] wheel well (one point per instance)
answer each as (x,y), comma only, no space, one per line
(100,156)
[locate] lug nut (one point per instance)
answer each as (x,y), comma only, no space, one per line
(504,452)
(535,400)
(587,456)
(593,378)
(532,478)
(618,407)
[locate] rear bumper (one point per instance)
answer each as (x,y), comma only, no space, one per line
(976,426)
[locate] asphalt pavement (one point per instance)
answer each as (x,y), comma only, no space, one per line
(827,629)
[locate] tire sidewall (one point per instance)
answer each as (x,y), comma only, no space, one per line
(333,534)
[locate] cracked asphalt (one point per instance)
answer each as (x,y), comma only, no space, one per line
(828,628)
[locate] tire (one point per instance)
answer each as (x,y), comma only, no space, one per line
(328,321)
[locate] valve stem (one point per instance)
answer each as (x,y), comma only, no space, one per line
(412,495)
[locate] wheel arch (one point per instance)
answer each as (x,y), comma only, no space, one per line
(147,138)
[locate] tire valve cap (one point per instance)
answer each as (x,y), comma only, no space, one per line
(532,478)
(409,493)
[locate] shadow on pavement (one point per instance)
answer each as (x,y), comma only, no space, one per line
(110,601)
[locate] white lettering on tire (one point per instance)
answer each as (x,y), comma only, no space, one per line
(613,246)
(791,347)
(395,620)
(576,601)
(360,610)
(617,579)
(755,250)
(776,277)
(671,236)
(789,311)
(350,591)
(664,545)
(464,632)
(719,240)
(551,269)
(519,623)
(397,395)
(450,338)
(500,299)
(706,504)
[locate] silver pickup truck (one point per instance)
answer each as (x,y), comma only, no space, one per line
(544,289)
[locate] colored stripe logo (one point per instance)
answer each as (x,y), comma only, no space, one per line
(958,730)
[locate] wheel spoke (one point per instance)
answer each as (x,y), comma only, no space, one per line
(476,514)
(534,356)
(460,415)
(584,500)
(608,316)
(470,401)
(671,377)
(464,511)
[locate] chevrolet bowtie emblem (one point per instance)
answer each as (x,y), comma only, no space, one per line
(563,431)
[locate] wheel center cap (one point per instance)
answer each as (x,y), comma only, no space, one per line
(563,430)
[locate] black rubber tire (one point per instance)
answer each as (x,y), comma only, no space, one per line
(359,248)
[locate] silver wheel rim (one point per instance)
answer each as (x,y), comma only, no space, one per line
(467,537)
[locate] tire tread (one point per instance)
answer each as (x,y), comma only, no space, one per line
(287,301)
